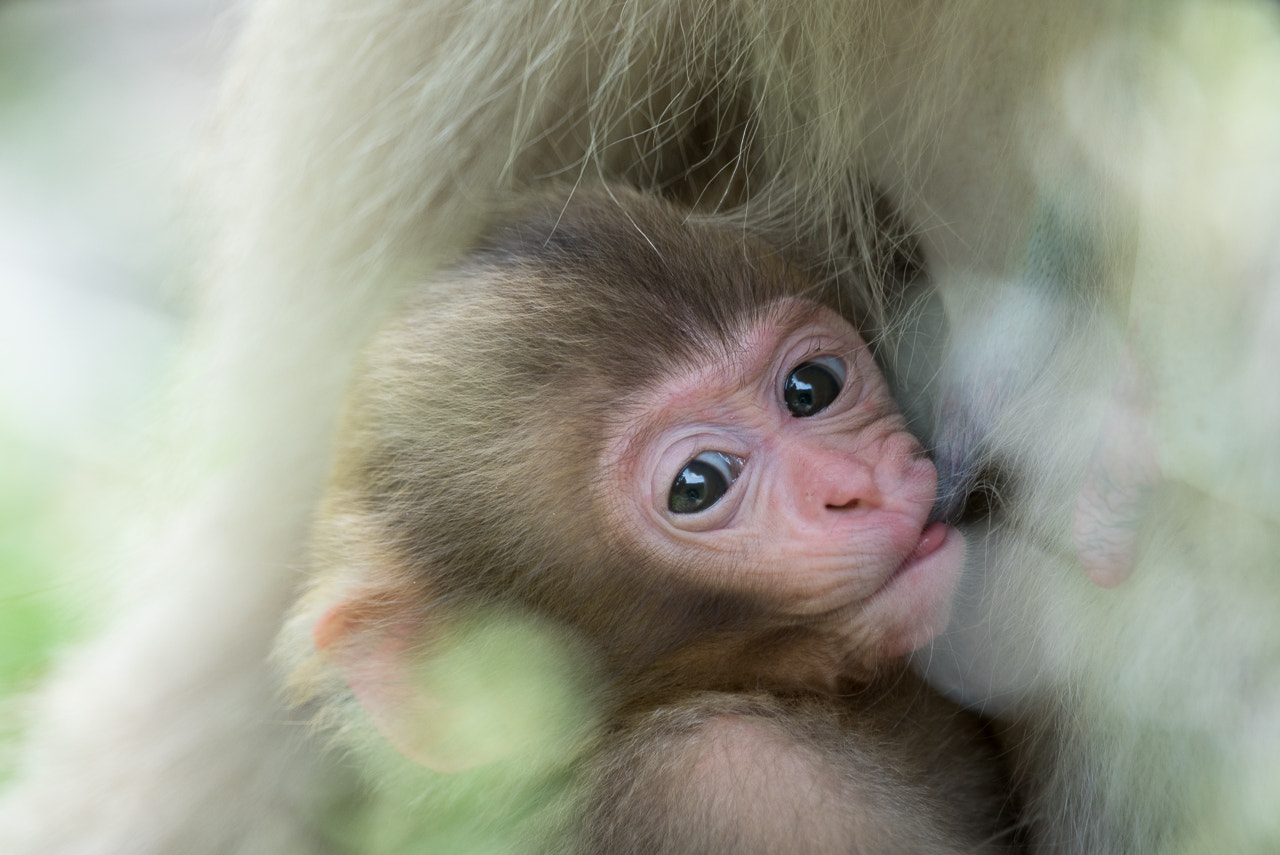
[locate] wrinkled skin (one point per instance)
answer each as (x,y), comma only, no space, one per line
(829,512)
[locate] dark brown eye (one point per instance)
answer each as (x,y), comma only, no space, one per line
(811,387)
(702,482)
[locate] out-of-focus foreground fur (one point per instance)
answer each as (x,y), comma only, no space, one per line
(1095,189)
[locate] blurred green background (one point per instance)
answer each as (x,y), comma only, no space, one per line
(100,104)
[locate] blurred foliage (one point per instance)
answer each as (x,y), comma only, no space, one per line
(36,615)
(85,256)
(507,703)
(32,619)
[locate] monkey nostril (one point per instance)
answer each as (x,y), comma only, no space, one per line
(850,505)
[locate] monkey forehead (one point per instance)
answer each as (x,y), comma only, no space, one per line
(729,385)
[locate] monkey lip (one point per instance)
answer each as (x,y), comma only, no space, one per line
(932,539)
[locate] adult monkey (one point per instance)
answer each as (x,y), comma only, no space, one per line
(1094,190)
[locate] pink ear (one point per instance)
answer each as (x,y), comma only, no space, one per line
(452,693)
(332,627)
(376,646)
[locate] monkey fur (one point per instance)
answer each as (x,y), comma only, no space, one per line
(1093,187)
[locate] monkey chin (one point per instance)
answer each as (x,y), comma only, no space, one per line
(914,604)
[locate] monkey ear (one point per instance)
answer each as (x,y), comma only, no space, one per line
(456,694)
(373,643)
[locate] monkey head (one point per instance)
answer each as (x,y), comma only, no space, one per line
(664,439)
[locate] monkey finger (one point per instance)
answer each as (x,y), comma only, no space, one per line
(1122,472)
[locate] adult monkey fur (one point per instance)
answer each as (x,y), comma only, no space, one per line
(1094,188)
(670,443)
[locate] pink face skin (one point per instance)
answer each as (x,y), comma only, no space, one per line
(826,513)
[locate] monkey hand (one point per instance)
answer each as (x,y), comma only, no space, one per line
(1122,472)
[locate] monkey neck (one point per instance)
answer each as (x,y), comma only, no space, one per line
(780,660)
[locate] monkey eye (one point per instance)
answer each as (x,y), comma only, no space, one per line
(702,482)
(811,387)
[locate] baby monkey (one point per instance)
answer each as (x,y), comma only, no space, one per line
(673,444)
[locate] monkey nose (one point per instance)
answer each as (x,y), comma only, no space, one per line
(841,483)
(850,505)
(893,473)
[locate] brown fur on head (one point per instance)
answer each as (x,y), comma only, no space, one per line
(468,472)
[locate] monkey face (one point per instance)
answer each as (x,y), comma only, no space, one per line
(786,469)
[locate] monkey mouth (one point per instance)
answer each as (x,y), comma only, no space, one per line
(913,604)
(932,538)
